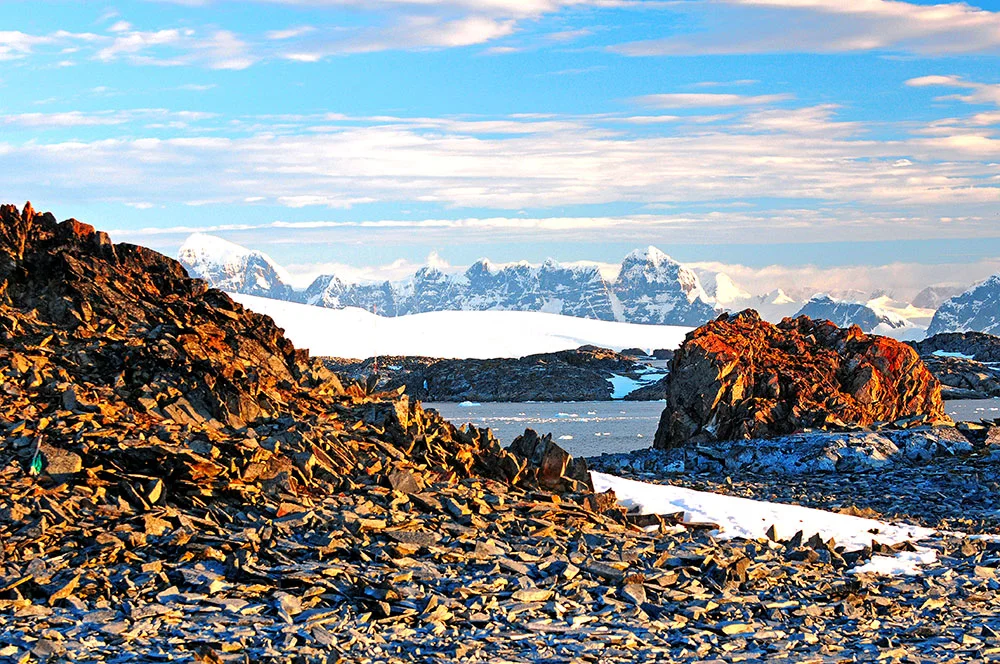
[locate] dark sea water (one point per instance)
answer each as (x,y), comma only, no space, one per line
(590,428)
(582,428)
(973,409)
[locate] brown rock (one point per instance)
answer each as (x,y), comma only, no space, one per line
(741,377)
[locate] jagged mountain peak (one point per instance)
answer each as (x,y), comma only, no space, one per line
(232,267)
(650,255)
(725,290)
(651,287)
(975,310)
(866,315)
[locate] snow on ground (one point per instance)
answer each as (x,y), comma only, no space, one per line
(622,386)
(750,519)
(945,353)
(357,333)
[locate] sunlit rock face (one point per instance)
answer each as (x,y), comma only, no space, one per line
(742,377)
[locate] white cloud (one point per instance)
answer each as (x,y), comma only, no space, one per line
(707,100)
(900,280)
(290,33)
(842,178)
(178,46)
(511,8)
(817,120)
(829,26)
(981,93)
(65,119)
(408,33)
(15,45)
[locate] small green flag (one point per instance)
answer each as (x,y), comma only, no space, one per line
(36,464)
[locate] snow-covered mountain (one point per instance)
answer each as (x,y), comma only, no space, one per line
(230,267)
(651,287)
(867,316)
(774,305)
(723,290)
(933,297)
(975,310)
(654,288)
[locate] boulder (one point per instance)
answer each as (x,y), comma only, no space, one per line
(549,466)
(740,377)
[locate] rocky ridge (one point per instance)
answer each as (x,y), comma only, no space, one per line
(651,288)
(574,375)
(741,377)
(844,314)
(977,346)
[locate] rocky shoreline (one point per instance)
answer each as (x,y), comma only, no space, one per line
(966,364)
(584,374)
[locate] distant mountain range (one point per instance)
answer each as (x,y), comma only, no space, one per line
(650,288)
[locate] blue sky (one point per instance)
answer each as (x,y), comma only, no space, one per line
(360,133)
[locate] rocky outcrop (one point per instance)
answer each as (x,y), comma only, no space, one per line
(549,466)
(741,377)
(978,346)
(966,363)
(962,378)
(583,374)
(122,374)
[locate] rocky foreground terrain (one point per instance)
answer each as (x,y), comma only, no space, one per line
(177,482)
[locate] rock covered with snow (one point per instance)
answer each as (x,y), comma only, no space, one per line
(975,310)
(741,377)
(587,373)
(844,314)
(230,267)
(653,288)
(977,346)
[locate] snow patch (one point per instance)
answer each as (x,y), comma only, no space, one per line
(751,519)
(945,353)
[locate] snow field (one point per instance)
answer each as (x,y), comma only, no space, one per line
(357,333)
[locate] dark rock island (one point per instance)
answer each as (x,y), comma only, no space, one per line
(583,374)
